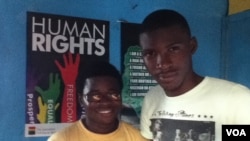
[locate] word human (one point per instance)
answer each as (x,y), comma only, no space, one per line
(236,132)
(61,36)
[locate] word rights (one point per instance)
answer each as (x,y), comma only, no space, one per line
(236,132)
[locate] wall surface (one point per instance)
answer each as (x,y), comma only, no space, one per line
(205,21)
(236,50)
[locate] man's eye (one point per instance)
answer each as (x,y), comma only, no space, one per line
(96,97)
(115,96)
(147,53)
(174,48)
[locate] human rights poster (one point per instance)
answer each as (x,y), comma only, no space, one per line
(137,81)
(57,48)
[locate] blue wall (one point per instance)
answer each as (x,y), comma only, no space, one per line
(236,48)
(205,20)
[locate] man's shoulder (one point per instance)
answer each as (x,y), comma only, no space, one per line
(132,131)
(126,124)
(226,84)
(154,92)
(60,134)
(157,88)
(220,81)
(68,128)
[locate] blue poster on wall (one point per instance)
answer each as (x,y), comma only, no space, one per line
(57,48)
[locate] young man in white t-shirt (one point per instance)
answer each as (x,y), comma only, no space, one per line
(184,101)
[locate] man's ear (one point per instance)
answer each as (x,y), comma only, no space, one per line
(193,45)
(82,100)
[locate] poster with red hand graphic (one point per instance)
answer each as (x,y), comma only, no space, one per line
(57,48)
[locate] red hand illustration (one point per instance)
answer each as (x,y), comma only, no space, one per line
(69,73)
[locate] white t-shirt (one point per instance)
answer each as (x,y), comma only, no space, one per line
(197,114)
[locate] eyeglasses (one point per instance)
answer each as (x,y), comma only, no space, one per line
(99,97)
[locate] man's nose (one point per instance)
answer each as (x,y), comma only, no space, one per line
(105,98)
(163,61)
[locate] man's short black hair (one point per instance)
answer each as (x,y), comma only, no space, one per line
(97,68)
(164,18)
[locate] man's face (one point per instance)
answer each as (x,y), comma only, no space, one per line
(102,100)
(167,54)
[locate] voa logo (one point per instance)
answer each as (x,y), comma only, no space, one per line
(236,132)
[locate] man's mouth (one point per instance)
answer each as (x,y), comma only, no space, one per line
(167,77)
(104,111)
